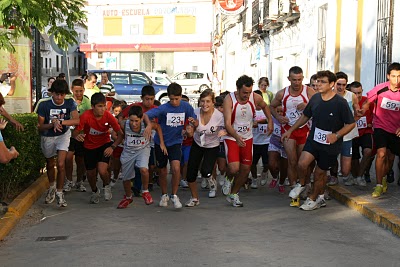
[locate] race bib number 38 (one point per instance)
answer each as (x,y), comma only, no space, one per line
(389,104)
(320,136)
(175,119)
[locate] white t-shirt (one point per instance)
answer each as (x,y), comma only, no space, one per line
(260,135)
(5,89)
(207,135)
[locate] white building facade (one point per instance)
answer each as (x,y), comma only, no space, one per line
(148,35)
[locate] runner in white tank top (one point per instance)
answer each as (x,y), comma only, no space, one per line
(239,110)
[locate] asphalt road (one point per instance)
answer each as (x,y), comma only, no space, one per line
(265,232)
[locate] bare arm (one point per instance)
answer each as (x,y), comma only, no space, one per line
(42,126)
(15,123)
(147,131)
(227,106)
(277,101)
(358,112)
(158,130)
(333,137)
(12,84)
(6,155)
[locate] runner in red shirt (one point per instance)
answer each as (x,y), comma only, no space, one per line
(95,124)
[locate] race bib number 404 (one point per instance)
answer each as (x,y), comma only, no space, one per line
(320,136)
(175,119)
(389,104)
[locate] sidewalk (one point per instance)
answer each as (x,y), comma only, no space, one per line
(384,211)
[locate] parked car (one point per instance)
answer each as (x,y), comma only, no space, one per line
(193,81)
(159,78)
(129,84)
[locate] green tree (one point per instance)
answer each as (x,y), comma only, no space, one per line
(59,15)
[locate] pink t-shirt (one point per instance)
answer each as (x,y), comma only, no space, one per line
(387,114)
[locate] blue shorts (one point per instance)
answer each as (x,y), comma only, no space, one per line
(174,153)
(347,148)
(185,154)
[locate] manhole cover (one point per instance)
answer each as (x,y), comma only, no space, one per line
(52,238)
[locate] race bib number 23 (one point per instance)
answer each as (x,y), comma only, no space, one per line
(175,119)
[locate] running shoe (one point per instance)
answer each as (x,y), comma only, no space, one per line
(332,180)
(321,201)
(68,185)
(254,184)
(221,179)
(80,187)
(390,176)
(326,195)
(164,200)
(204,184)
(384,184)
(61,200)
(95,197)
(310,204)
(264,177)
(183,184)
(361,182)
(234,200)
(305,192)
(113,182)
(213,188)
(125,203)
(192,202)
(351,181)
(107,193)
(378,191)
(226,188)
(51,194)
(175,200)
(296,191)
(295,202)
(147,198)
(273,183)
(281,189)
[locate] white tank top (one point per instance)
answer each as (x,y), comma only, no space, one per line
(290,103)
(207,135)
(134,141)
(260,133)
(242,117)
(353,133)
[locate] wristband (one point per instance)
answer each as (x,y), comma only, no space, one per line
(113,147)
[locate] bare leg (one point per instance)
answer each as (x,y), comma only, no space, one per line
(62,155)
(176,176)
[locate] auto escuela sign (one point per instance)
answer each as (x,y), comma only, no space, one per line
(230,7)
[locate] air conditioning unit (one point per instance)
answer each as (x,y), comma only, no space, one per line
(273,9)
(285,7)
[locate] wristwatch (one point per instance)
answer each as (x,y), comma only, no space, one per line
(337,135)
(113,147)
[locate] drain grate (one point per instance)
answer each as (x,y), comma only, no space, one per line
(52,238)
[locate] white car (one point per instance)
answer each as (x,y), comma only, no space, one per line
(159,78)
(193,81)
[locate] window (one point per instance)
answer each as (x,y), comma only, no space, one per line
(100,55)
(57,64)
(153,25)
(74,62)
(138,79)
(119,78)
(112,26)
(49,63)
(185,24)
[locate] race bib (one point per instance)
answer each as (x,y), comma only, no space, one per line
(362,123)
(93,131)
(389,104)
(242,128)
(175,119)
(277,130)
(294,114)
(263,128)
(135,141)
(320,136)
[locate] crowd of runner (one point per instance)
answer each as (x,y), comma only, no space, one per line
(298,134)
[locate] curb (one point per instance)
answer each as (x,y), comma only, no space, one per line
(20,205)
(372,212)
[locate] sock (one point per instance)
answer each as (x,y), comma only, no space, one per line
(322,196)
(145,191)
(128,197)
(379,185)
(274,178)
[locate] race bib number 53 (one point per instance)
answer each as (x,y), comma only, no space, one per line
(320,136)
(175,119)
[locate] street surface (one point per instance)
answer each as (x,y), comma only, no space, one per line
(265,232)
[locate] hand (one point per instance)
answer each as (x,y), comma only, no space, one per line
(13,77)
(270,127)
(80,137)
(240,142)
(359,113)
(57,126)
(301,106)
(147,132)
(222,132)
(108,151)
(18,126)
(285,136)
(193,121)
(283,120)
(398,132)
(189,130)
(331,138)
(14,151)
(3,124)
(164,149)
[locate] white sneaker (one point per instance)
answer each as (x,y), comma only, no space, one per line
(287,182)
(51,194)
(204,184)
(61,200)
(296,191)
(175,200)
(305,192)
(226,188)
(164,201)
(234,200)
(350,181)
(264,177)
(192,202)
(95,197)
(254,183)
(80,187)
(322,201)
(183,184)
(310,204)
(68,185)
(107,193)
(113,182)
(221,179)
(361,181)
(213,188)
